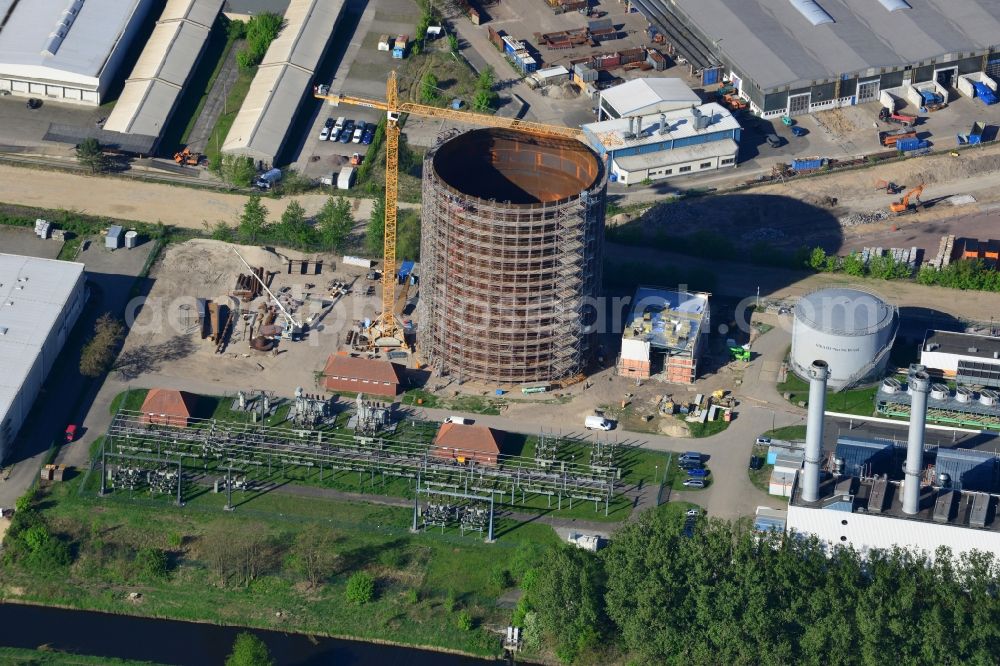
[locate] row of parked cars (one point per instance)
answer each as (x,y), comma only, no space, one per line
(692,462)
(347,131)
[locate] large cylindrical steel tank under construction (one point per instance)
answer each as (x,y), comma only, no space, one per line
(850,329)
(511,250)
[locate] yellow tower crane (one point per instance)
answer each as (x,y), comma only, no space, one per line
(385,324)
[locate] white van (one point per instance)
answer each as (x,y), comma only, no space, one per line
(460,420)
(598,423)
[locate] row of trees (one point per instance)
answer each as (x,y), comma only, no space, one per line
(99,352)
(730,596)
(328,230)
(407,232)
(883,268)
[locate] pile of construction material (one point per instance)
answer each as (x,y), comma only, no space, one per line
(861,218)
(248,286)
(945,248)
(901,255)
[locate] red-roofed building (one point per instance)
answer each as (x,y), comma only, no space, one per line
(168,407)
(363,375)
(465,443)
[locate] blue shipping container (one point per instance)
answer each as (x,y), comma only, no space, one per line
(806,165)
(911,144)
(985,93)
(709,76)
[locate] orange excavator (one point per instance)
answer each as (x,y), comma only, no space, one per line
(903,205)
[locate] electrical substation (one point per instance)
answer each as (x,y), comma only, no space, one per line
(320,438)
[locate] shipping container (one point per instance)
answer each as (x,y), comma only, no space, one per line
(656,59)
(809,164)
(631,55)
(911,144)
(710,76)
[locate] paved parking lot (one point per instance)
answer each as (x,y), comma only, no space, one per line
(360,71)
(23,128)
(23,241)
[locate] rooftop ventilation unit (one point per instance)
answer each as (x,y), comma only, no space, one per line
(812,12)
(893,5)
(66,20)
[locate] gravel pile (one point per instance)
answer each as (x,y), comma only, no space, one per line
(870,217)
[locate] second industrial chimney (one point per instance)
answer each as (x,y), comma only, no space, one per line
(918,384)
(818,373)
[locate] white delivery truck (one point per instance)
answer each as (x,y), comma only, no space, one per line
(346,178)
(598,423)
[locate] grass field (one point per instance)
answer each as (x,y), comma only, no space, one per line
(423,580)
(788,432)
(857,401)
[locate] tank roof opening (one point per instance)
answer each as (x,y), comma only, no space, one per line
(506,165)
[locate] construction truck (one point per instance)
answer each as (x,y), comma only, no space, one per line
(885,115)
(904,206)
(889,139)
(188,158)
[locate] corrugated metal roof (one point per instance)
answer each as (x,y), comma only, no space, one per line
(775,46)
(308,27)
(636,95)
(262,123)
(90,37)
(196,11)
(33,293)
(171,53)
(283,78)
(968,469)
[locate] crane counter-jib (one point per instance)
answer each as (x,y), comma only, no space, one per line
(478,119)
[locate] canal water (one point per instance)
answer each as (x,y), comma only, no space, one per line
(192,644)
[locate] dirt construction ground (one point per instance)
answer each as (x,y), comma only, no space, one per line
(802,211)
(140,201)
(165,337)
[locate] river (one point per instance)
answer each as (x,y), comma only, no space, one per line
(193,644)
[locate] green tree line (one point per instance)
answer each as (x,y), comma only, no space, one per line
(259,32)
(729,595)
(327,231)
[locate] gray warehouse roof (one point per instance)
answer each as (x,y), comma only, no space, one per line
(778,46)
(284,76)
(33,293)
(159,75)
(62,40)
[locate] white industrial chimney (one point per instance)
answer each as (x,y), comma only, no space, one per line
(818,373)
(919,385)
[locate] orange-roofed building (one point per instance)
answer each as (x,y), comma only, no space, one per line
(468,443)
(168,407)
(346,373)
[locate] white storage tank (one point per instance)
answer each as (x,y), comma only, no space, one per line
(850,329)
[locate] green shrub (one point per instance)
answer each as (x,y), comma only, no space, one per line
(360,588)
(151,564)
(464,621)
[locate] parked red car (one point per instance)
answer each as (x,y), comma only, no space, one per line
(70,433)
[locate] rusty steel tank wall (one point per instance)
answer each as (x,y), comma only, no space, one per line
(511,252)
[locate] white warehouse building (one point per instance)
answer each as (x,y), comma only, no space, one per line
(40,301)
(66,50)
